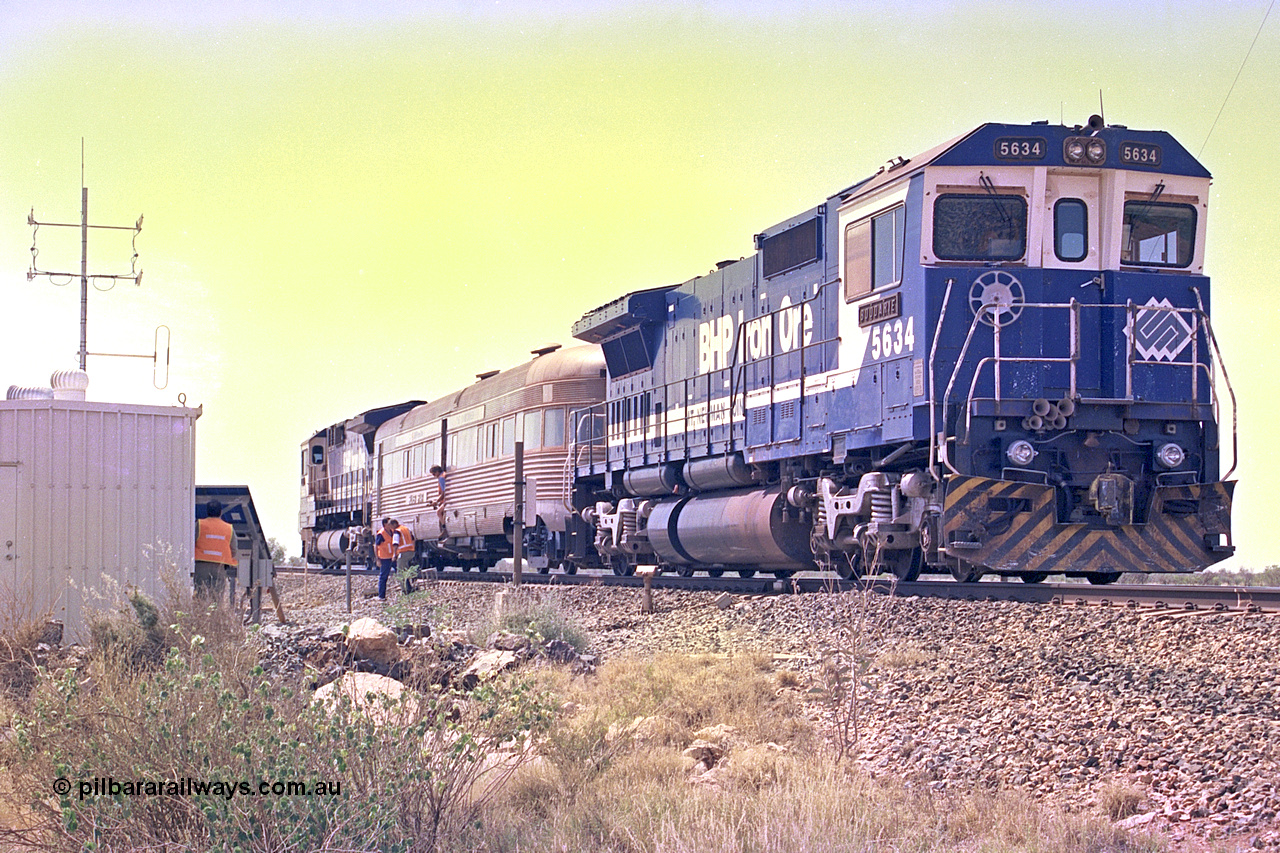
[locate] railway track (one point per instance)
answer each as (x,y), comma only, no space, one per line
(1149,597)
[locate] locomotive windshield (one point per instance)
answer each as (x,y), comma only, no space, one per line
(1158,235)
(979,227)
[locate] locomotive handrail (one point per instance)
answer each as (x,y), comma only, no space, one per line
(1213,342)
(1194,364)
(933,397)
(955,372)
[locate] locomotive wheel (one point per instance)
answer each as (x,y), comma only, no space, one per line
(746,573)
(464,565)
(848,564)
(965,572)
(715,573)
(783,574)
(1033,577)
(542,570)
(569,567)
(684,571)
(1103,578)
(621,567)
(904,564)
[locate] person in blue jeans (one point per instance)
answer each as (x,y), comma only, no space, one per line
(384,546)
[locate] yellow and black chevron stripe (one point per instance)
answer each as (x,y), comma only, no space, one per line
(1007,526)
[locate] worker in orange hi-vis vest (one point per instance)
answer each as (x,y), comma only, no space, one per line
(406,550)
(215,552)
(384,546)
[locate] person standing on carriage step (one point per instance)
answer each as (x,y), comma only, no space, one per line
(438,472)
(384,547)
(215,552)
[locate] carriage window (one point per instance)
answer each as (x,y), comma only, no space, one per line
(509,436)
(553,434)
(979,227)
(873,252)
(532,430)
(1070,229)
(462,448)
(1158,235)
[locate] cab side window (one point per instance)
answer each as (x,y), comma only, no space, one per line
(873,252)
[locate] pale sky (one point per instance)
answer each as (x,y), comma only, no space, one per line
(352,204)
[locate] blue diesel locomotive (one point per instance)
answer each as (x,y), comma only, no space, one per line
(993,357)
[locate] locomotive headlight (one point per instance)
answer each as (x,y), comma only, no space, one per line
(1073,151)
(1170,455)
(1096,151)
(1021,453)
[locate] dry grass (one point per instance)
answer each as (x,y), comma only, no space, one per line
(1120,801)
(611,777)
(609,772)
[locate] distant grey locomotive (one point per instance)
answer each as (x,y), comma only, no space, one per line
(992,357)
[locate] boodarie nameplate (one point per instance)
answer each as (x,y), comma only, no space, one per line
(870,313)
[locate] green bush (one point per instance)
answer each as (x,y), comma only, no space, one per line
(539,618)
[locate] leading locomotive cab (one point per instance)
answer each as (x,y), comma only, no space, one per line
(993,357)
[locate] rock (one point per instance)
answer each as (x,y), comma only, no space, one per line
(559,651)
(274,632)
(51,633)
(330,675)
(384,700)
(1131,823)
(704,752)
(368,639)
(723,736)
(486,665)
(508,642)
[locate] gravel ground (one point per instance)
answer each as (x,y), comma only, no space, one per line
(1074,705)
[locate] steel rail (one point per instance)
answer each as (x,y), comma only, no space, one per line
(1150,596)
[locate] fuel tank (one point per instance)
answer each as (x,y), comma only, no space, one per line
(333,544)
(750,527)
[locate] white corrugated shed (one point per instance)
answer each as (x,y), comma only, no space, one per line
(93,496)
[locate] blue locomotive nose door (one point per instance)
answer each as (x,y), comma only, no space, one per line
(1072,256)
(1158,353)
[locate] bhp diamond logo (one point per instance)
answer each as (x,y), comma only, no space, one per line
(1159,335)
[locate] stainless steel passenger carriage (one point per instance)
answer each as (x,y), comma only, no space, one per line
(472,434)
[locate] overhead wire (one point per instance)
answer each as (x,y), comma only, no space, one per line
(1247,54)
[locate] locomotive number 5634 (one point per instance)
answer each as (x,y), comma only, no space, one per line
(893,338)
